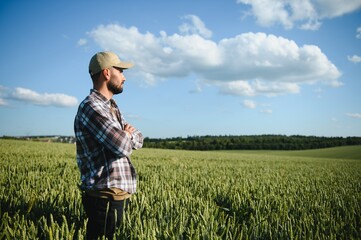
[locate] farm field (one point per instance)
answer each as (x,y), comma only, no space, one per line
(313,194)
(344,152)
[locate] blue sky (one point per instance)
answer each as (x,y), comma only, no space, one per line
(236,67)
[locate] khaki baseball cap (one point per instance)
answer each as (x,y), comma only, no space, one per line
(103,60)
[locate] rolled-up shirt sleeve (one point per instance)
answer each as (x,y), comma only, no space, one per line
(137,139)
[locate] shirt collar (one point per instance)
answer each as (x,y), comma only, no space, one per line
(101,97)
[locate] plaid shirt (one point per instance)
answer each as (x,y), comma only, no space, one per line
(103,147)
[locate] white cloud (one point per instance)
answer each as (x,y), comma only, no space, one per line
(195,27)
(3,102)
(358,35)
(249,104)
(46,99)
(241,88)
(82,42)
(3,95)
(252,105)
(247,64)
(252,88)
(354,59)
(158,57)
(266,111)
(32,97)
(198,88)
(306,14)
(335,8)
(354,115)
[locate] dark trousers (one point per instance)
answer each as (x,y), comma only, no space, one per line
(104,216)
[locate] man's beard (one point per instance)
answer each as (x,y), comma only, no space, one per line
(114,88)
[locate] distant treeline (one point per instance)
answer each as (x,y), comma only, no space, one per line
(229,142)
(43,138)
(253,142)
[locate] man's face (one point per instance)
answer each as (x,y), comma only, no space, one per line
(117,79)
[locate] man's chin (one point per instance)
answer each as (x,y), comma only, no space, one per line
(117,91)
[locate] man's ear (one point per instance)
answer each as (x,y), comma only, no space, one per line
(106,73)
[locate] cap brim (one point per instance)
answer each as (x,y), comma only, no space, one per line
(124,65)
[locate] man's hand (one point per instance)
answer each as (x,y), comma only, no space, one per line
(129,129)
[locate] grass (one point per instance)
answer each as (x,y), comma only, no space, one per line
(344,152)
(310,194)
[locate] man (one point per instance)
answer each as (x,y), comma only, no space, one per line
(104,143)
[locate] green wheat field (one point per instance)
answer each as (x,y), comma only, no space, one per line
(313,194)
